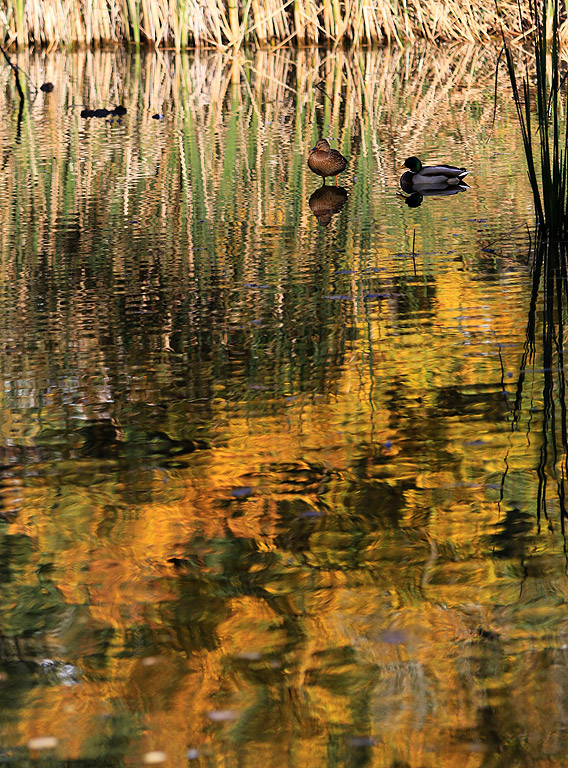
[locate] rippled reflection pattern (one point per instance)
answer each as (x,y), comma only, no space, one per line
(262,502)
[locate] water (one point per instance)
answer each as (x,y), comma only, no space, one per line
(262,501)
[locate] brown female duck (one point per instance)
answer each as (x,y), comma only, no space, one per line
(326,161)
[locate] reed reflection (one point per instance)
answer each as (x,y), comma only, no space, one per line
(327,201)
(546,336)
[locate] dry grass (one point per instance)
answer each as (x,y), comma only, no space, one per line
(230,23)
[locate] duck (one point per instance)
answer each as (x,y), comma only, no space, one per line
(430,176)
(326,161)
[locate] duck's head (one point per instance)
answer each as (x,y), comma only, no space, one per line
(321,144)
(413,164)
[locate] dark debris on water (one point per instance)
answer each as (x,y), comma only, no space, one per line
(118,111)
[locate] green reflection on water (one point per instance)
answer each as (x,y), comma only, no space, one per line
(252,461)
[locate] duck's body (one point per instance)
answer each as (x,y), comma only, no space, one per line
(428,176)
(326,161)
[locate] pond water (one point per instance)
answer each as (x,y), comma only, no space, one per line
(266,496)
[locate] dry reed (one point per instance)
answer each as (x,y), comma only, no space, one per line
(227,24)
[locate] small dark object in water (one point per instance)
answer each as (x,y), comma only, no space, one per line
(414,199)
(242,492)
(486,634)
(101,439)
(116,112)
(163,444)
(158,116)
(46,87)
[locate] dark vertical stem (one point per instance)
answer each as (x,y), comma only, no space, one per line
(16,75)
(413,252)
(20,115)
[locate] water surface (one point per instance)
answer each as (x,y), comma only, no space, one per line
(265,497)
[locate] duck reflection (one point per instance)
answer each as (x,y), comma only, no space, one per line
(414,197)
(326,201)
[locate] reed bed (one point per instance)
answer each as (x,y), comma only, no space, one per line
(226,24)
